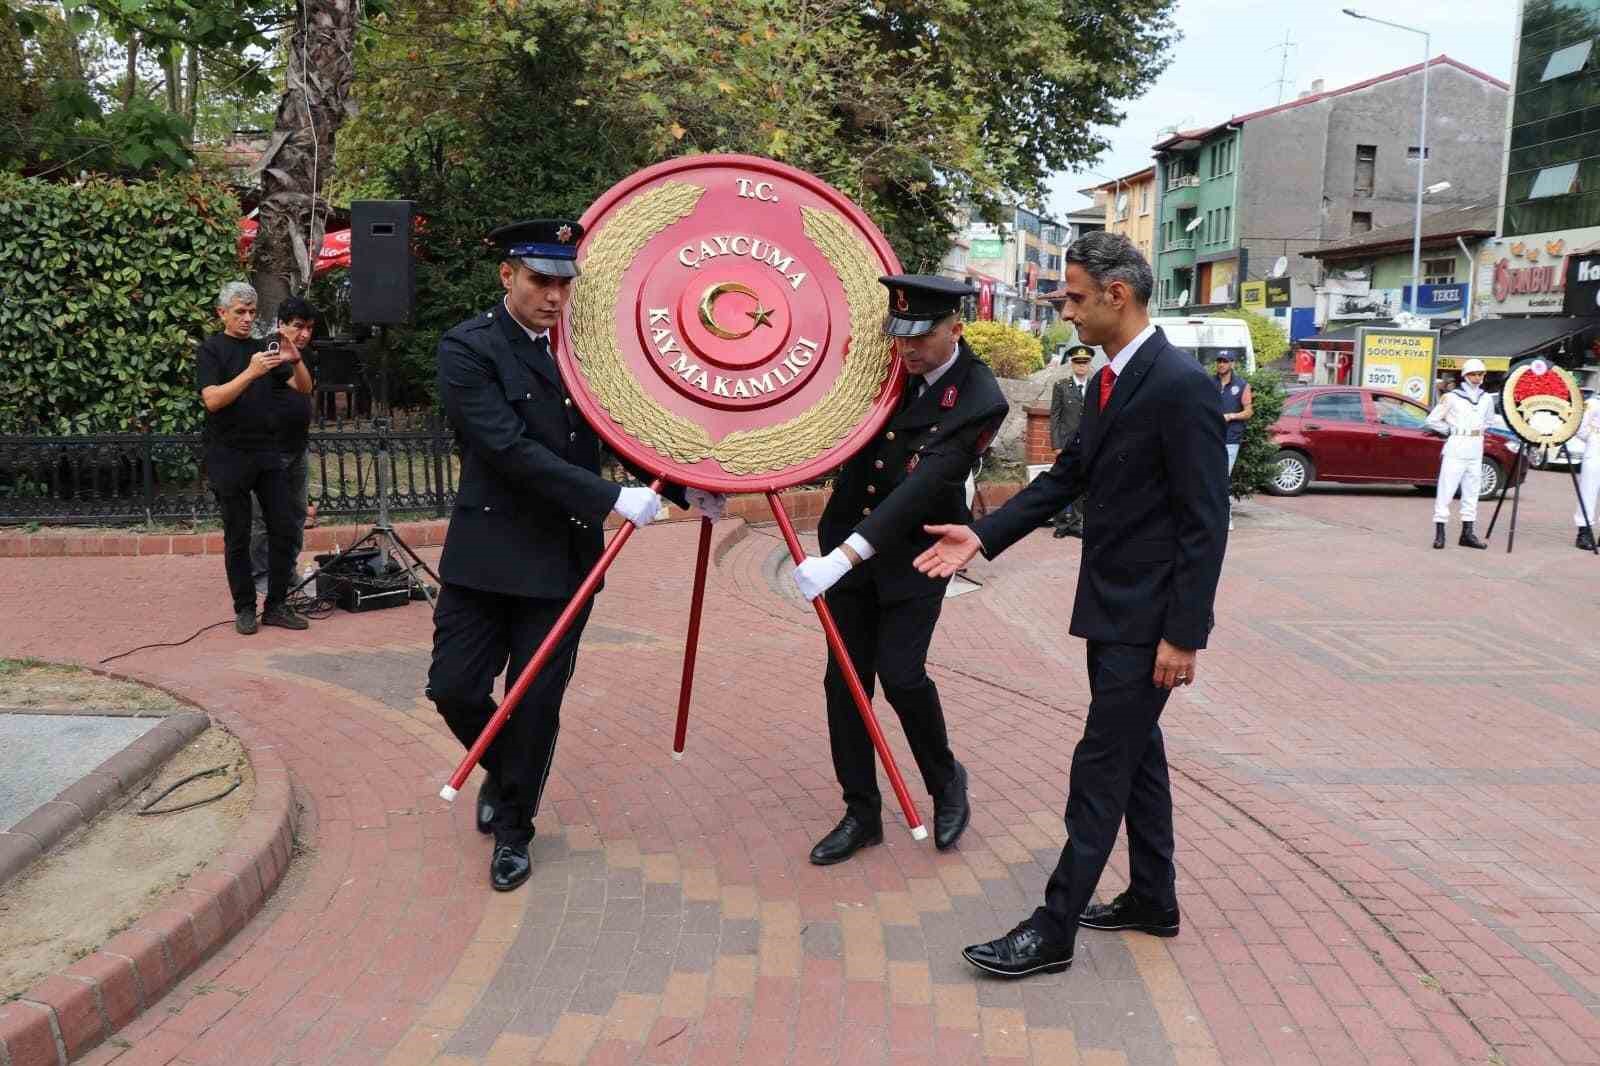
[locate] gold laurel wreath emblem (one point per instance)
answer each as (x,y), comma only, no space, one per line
(595,319)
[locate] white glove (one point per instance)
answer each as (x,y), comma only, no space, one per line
(638,505)
(818,574)
(714,505)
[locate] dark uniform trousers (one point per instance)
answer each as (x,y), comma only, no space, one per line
(476,634)
(1123,754)
(888,641)
(235,475)
(911,475)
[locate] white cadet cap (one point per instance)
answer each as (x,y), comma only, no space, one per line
(1474,366)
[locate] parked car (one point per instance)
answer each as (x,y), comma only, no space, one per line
(1339,433)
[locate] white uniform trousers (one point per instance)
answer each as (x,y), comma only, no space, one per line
(1465,473)
(1588,484)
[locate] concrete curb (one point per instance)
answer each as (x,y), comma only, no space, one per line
(82,802)
(69,1013)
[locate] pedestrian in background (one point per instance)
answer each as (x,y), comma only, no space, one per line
(1589,477)
(1237,407)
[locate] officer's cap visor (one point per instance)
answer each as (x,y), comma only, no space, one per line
(895,326)
(551,268)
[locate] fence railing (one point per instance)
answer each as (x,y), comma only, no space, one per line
(147,477)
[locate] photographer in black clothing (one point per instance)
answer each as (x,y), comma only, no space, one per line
(243,457)
(297,323)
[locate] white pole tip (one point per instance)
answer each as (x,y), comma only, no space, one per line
(448,794)
(919,832)
(677,756)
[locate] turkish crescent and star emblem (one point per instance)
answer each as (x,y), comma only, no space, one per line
(727,328)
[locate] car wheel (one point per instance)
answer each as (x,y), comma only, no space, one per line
(1539,458)
(1292,472)
(1490,479)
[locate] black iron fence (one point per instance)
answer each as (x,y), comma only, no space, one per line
(125,478)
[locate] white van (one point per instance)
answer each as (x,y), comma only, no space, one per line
(1203,337)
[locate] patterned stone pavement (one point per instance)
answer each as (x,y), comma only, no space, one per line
(1385,782)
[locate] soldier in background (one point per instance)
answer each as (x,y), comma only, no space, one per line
(1066,412)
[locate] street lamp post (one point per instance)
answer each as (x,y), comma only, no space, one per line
(1422,150)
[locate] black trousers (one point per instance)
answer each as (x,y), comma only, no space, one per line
(889,641)
(477,634)
(235,476)
(1119,769)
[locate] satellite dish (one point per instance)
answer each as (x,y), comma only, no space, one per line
(1192,226)
(1122,205)
(1281,267)
(1183,298)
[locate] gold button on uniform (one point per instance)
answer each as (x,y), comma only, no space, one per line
(866,510)
(872,490)
(567,402)
(877,464)
(889,435)
(573,435)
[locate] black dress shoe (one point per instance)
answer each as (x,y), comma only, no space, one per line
(488,797)
(1585,541)
(509,866)
(1470,539)
(1128,911)
(1019,953)
(848,837)
(952,812)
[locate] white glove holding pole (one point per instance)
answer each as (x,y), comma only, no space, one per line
(714,505)
(819,574)
(638,505)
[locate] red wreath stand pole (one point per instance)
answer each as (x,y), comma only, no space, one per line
(691,641)
(546,649)
(852,679)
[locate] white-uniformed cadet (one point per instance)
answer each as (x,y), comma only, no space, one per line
(1460,417)
(1589,474)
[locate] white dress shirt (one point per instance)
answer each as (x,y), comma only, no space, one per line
(533,335)
(1119,362)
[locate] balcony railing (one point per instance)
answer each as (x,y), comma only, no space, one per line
(1183,181)
(1179,244)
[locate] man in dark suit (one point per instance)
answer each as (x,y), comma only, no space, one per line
(526,529)
(1149,460)
(914,473)
(1066,412)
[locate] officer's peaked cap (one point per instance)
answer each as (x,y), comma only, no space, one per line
(546,245)
(917,301)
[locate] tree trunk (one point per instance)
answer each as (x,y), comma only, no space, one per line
(299,157)
(130,81)
(191,94)
(174,81)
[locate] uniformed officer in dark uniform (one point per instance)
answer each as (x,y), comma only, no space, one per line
(526,529)
(913,474)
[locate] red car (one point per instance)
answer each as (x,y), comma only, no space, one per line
(1339,433)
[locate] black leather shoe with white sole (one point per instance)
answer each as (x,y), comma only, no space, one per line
(1128,911)
(1021,952)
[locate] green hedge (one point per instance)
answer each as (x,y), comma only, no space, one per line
(107,287)
(1010,352)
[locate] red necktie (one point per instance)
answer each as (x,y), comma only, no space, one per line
(1108,380)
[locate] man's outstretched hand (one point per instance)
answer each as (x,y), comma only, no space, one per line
(954,549)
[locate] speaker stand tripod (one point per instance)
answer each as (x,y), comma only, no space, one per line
(382,534)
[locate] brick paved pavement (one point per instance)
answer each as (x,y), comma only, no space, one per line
(1387,822)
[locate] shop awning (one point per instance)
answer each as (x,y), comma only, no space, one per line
(1499,341)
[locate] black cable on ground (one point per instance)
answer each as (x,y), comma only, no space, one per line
(150,808)
(312,607)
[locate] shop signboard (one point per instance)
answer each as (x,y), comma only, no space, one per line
(1582,298)
(1527,274)
(1400,360)
(1280,292)
(1374,303)
(987,248)
(1439,301)
(1253,296)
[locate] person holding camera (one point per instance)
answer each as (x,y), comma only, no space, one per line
(243,458)
(297,322)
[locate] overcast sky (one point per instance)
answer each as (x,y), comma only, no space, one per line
(1228,63)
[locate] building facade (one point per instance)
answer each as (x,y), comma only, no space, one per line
(1551,202)
(1128,204)
(1012,265)
(1237,196)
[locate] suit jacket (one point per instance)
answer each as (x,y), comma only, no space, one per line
(531,504)
(1155,523)
(1066,409)
(914,473)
